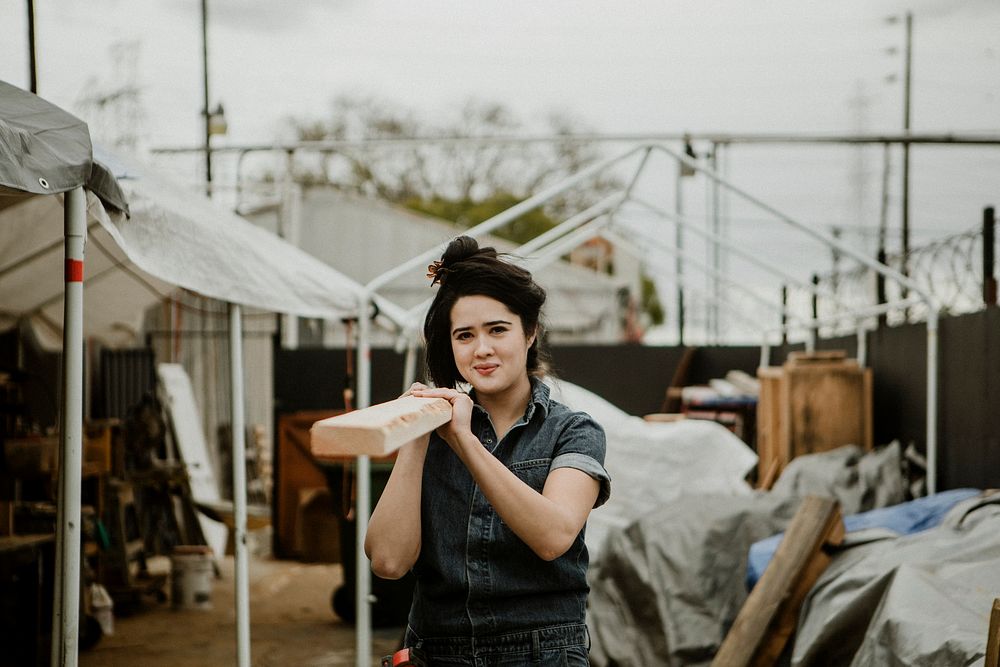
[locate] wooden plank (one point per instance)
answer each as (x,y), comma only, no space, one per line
(380,429)
(767,618)
(817,356)
(769,421)
(993,637)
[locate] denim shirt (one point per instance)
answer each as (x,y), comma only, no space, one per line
(475,577)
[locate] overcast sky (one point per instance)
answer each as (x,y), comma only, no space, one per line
(631,66)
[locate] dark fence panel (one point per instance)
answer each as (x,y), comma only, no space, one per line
(635,378)
(969,424)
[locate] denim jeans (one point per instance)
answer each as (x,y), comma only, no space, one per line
(553,646)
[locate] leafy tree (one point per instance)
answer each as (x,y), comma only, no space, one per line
(463,181)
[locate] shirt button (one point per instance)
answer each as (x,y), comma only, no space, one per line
(489,441)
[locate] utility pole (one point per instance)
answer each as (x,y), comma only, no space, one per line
(32,65)
(908,59)
(205,111)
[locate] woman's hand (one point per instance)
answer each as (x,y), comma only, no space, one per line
(461,413)
(416,386)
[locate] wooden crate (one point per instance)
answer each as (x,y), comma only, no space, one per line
(812,403)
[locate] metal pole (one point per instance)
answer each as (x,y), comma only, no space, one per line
(784,314)
(410,365)
(205,111)
(883,224)
(239,486)
(932,391)
(32,63)
(679,244)
(906,149)
(716,248)
(362,591)
(66,605)
(815,305)
(989,249)
(862,355)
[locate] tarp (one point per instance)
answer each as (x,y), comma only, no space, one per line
(883,523)
(45,150)
(174,238)
(670,583)
(653,463)
(669,586)
(922,599)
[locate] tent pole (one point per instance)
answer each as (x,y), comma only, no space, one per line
(66,605)
(362,509)
(410,364)
(239,486)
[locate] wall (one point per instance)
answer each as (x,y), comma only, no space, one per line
(635,379)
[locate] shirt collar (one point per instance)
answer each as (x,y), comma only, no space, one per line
(539,399)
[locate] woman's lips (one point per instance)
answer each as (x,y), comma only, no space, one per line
(485,369)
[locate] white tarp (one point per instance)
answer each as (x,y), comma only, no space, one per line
(174,237)
(31,274)
(182,237)
(654,463)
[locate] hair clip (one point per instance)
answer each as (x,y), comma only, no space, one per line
(435,272)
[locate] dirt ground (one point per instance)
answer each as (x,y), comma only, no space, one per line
(291,623)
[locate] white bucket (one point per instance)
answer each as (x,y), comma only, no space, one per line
(191,575)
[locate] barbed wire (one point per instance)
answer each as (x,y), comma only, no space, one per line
(950,269)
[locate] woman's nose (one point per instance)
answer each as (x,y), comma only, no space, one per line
(483,347)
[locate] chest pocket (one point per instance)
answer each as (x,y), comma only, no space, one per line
(532,472)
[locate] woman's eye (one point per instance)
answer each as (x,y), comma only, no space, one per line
(499,330)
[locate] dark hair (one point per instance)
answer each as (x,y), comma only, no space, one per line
(465,269)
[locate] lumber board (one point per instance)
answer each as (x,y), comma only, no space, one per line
(768,617)
(380,429)
(993,637)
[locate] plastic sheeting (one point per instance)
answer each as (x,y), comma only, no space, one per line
(670,585)
(45,150)
(922,600)
(173,238)
(653,463)
(187,240)
(858,480)
(883,523)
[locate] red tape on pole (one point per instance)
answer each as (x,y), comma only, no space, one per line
(74,271)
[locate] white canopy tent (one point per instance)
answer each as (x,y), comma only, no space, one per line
(173,238)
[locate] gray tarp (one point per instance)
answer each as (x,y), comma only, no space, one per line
(691,456)
(669,586)
(921,600)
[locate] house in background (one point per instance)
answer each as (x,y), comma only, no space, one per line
(363,238)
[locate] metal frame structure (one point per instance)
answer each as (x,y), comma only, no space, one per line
(557,242)
(645,145)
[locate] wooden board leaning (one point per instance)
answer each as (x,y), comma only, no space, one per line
(380,429)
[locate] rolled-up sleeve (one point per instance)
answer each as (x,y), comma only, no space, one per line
(581,446)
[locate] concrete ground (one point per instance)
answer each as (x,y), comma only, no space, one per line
(291,623)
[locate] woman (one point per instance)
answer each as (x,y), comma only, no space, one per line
(489,511)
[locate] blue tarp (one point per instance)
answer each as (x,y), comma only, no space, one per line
(903,519)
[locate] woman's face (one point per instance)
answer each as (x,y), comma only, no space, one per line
(490,346)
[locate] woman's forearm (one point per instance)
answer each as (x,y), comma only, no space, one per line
(392,542)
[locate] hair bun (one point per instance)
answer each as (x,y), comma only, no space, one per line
(461,248)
